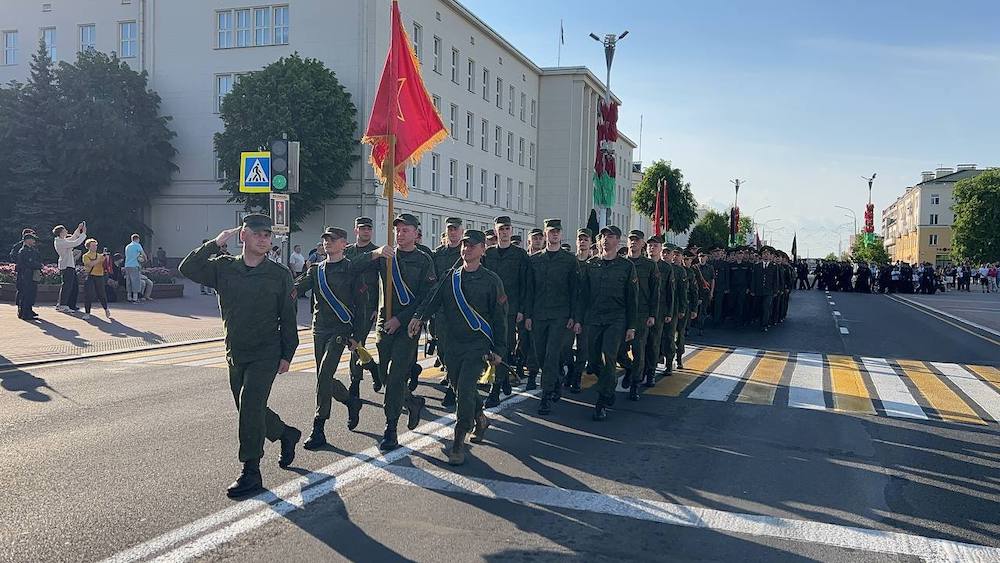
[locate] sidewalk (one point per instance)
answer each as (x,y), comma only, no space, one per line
(164,321)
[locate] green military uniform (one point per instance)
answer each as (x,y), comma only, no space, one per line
(511,264)
(579,358)
(444,257)
(398,351)
(764,286)
(525,340)
(721,291)
(332,327)
(259,323)
(366,301)
(694,297)
(647,307)
(707,273)
(666,309)
(740,278)
(674,331)
(552,287)
(609,297)
(463,301)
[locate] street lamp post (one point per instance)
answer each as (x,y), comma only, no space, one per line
(753,217)
(853,215)
(610,41)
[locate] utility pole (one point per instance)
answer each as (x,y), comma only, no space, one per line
(610,41)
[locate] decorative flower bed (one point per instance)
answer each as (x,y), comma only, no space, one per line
(164,282)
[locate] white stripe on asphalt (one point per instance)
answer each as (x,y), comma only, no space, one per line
(834,535)
(805,389)
(832,303)
(688,350)
(896,398)
(255,512)
(722,380)
(836,313)
(843,330)
(975,388)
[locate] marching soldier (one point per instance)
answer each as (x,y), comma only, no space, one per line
(511,264)
(536,240)
(445,258)
(609,303)
(674,332)
(706,289)
(412,276)
(551,309)
(367,299)
(695,285)
(258,316)
(740,277)
(473,304)
(665,310)
(720,291)
(765,284)
(338,323)
(647,309)
(579,357)
(525,342)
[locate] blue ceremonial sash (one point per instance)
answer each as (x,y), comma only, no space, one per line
(475,320)
(341,310)
(402,290)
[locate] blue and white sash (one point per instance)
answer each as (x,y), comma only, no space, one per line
(402,290)
(341,310)
(475,320)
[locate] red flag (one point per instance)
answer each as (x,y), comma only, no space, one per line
(756,240)
(402,108)
(657,212)
(666,207)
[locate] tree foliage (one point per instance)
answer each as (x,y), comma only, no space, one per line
(86,142)
(831,257)
(682,210)
(712,230)
(977,214)
(303,99)
(869,252)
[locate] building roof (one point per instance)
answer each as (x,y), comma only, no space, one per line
(485,28)
(953,177)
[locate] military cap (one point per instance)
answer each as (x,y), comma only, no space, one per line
(535,231)
(658,239)
(334,232)
(501,220)
(675,248)
(29,234)
(363,222)
(474,236)
(491,234)
(636,233)
(689,254)
(406,219)
(553,224)
(258,222)
(564,246)
(700,253)
(26,231)
(612,230)
(453,221)
(585,231)
(515,239)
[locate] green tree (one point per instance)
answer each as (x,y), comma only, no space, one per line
(712,230)
(869,252)
(682,210)
(746,227)
(303,99)
(831,257)
(977,214)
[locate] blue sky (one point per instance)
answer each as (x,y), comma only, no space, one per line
(800,98)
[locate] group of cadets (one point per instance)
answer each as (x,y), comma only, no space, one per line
(492,308)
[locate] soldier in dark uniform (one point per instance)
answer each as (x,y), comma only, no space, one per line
(412,276)
(367,299)
(863,282)
(514,240)
(764,286)
(647,309)
(740,278)
(720,289)
(526,352)
(609,303)
(473,304)
(695,286)
(552,309)
(673,332)
(338,322)
(258,317)
(511,264)
(445,258)
(28,269)
(707,271)
(664,309)
(577,363)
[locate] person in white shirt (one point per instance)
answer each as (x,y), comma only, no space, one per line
(64,244)
(296,262)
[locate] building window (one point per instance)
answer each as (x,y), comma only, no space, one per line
(262,26)
(281,25)
(454,65)
(934,218)
(485,136)
(500,92)
(243,37)
(510,192)
(453,117)
(437,54)
(510,100)
(935,199)
(486,84)
(220,171)
(531,156)
(10,47)
(49,39)
(531,198)
(496,188)
(436,100)
(223,85)
(520,151)
(496,140)
(534,110)
(224,28)
(468,181)
(520,196)
(415,176)
(933,240)
(524,102)
(471,76)
(470,128)
(418,41)
(435,171)
(482,185)
(452,176)
(127,34)
(435,228)
(88,37)
(510,146)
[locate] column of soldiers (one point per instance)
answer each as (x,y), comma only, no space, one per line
(495,308)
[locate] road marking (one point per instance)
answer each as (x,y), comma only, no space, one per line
(892,392)
(763,382)
(834,535)
(805,390)
(832,303)
(836,313)
(924,309)
(849,391)
(155,352)
(696,365)
(843,330)
(950,316)
(948,405)
(989,373)
(723,380)
(973,387)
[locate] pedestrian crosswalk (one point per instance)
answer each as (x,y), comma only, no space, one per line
(897,388)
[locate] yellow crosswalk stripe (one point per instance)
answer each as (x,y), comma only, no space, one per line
(763,382)
(945,401)
(695,366)
(989,373)
(849,391)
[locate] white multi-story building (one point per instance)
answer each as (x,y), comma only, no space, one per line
(522,138)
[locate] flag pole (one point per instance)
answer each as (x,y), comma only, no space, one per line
(389,170)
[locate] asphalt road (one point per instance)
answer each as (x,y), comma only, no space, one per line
(129,459)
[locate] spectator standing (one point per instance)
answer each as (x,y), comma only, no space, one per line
(134,257)
(64,244)
(984,278)
(95,267)
(296,262)
(991,273)
(28,267)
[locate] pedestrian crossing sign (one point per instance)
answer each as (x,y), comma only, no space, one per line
(255,172)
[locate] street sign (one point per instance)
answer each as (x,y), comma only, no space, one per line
(280,214)
(255,172)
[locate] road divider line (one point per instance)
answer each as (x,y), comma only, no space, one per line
(928,311)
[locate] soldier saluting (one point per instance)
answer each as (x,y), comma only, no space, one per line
(258,318)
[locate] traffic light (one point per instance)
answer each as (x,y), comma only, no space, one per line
(293,167)
(279,165)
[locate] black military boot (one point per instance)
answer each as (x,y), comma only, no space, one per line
(494,397)
(317,439)
(355,388)
(505,384)
(249,481)
(289,438)
(415,376)
(574,386)
(627,379)
(545,406)
(532,383)
(600,411)
(633,393)
(414,405)
(456,453)
(389,441)
(372,369)
(353,412)
(680,362)
(556,393)
(449,399)
(650,379)
(482,423)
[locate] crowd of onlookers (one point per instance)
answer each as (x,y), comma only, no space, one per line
(900,277)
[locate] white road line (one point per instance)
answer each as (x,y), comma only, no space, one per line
(896,398)
(832,303)
(834,535)
(843,330)
(720,383)
(836,313)
(949,315)
(688,350)
(253,513)
(805,389)
(975,388)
